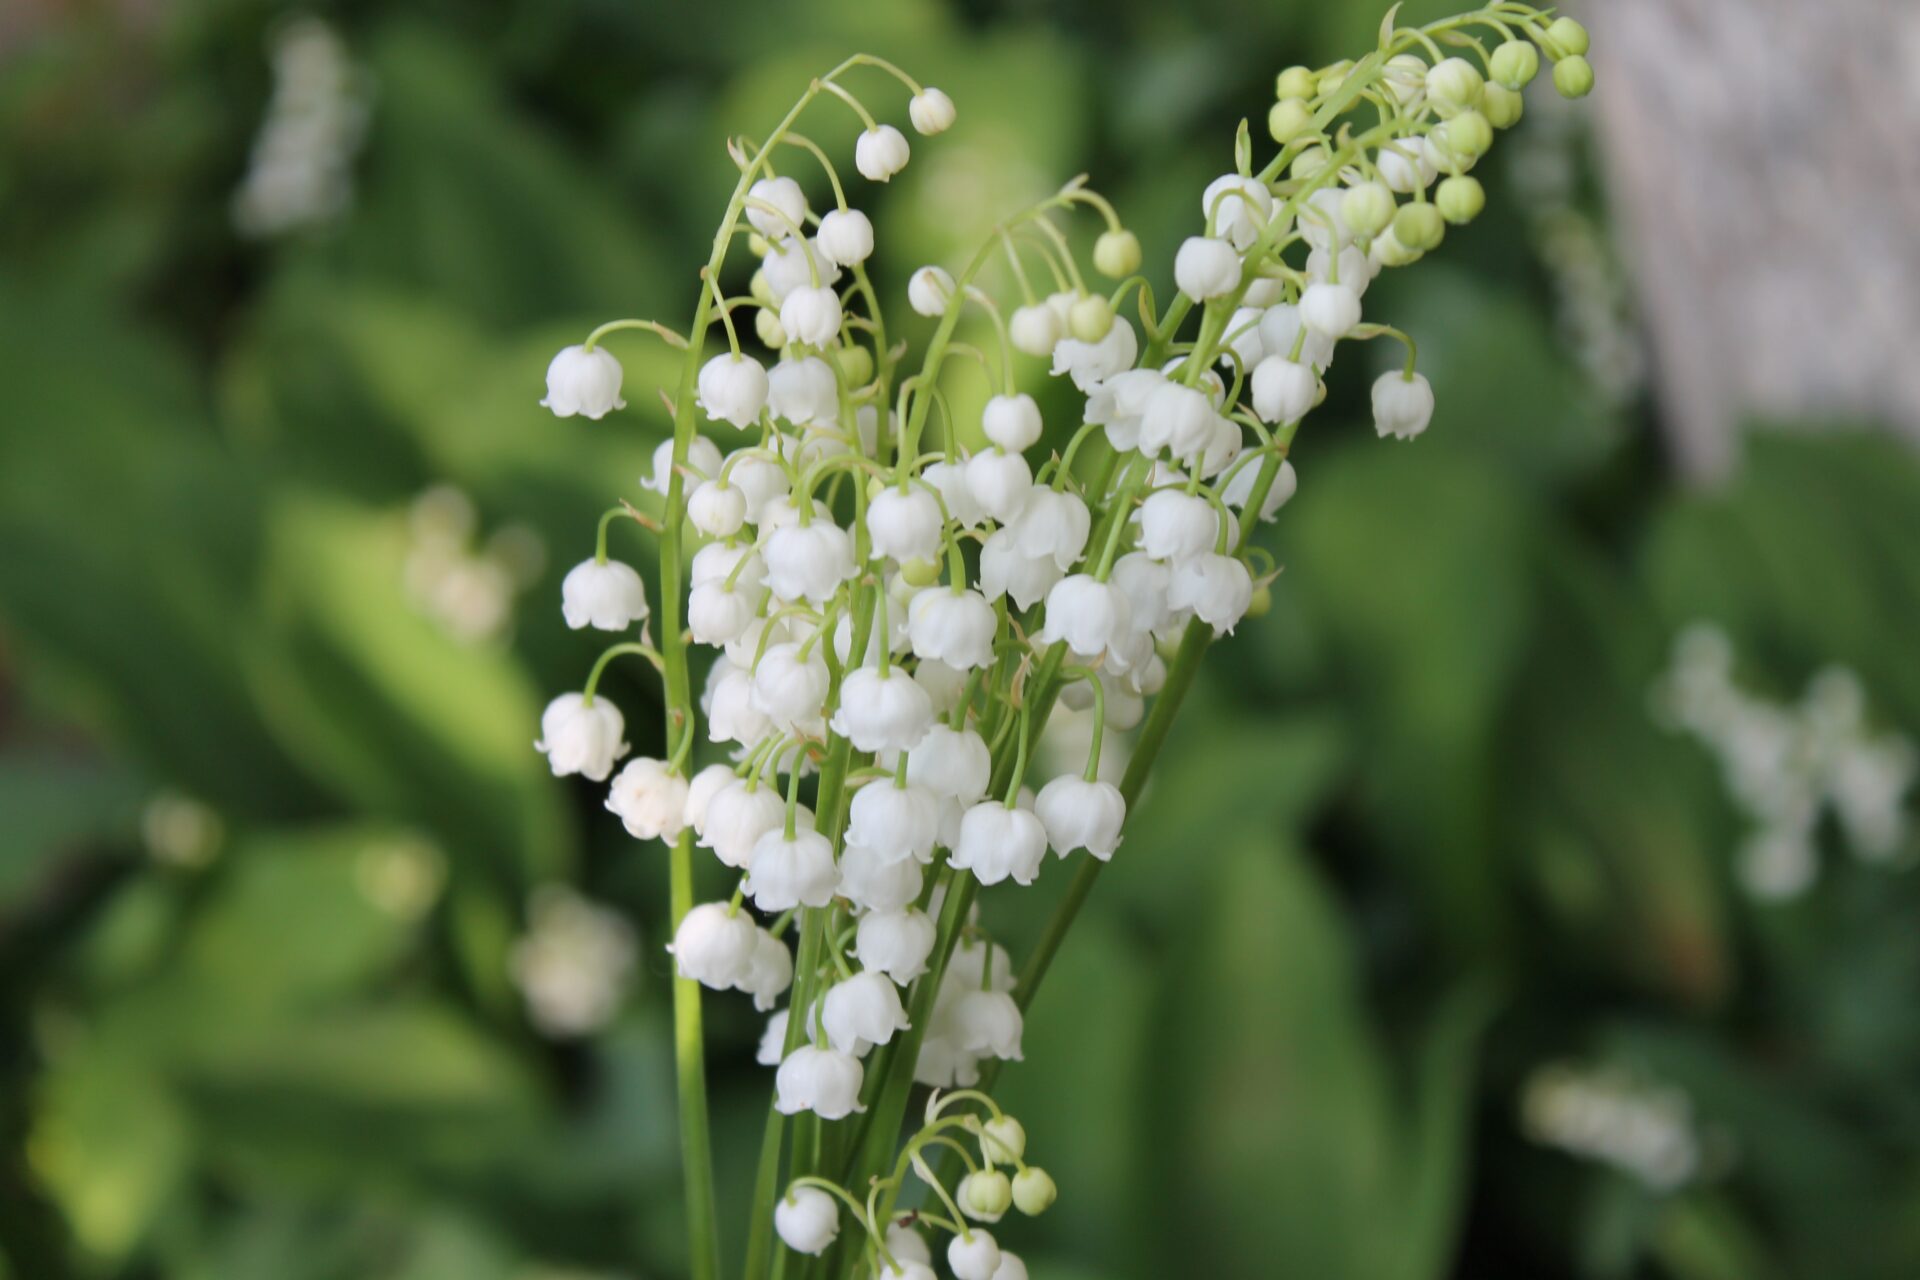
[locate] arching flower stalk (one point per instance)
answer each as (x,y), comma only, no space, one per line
(894,615)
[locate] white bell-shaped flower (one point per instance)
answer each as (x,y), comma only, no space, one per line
(949,479)
(804,392)
(896,943)
(861,1012)
(846,236)
(952,627)
(882,710)
(717,510)
(788,211)
(1054,524)
(1174,525)
(997,842)
(1000,483)
(1402,406)
(1217,589)
(1119,404)
(728,703)
(1144,582)
(703,456)
(650,798)
(1036,329)
(954,764)
(762,481)
(895,821)
(1088,614)
(1356,268)
(1011,1267)
(1012,422)
(905,524)
(880,152)
(1006,569)
(714,945)
(977,965)
(989,1023)
(807,1220)
(811,316)
(945,685)
(581,737)
(1175,418)
(1238,207)
(1405,166)
(783,874)
(973,1255)
(807,562)
(788,688)
(1242,338)
(931,111)
(1283,391)
(738,814)
(1330,310)
(717,562)
(1091,363)
(874,881)
(929,290)
(584,382)
(792,264)
(1081,815)
(773,1040)
(770,972)
(701,789)
(823,1081)
(1206,268)
(1280,330)
(605,595)
(733,388)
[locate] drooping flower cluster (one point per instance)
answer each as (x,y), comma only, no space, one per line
(893,601)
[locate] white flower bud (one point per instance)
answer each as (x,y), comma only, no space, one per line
(1175,418)
(1280,328)
(874,881)
(973,1255)
(584,382)
(701,789)
(989,1023)
(1011,1267)
(999,482)
(1003,1140)
(1052,524)
(1330,310)
(650,799)
(1206,268)
(1081,815)
(950,479)
(1405,166)
(737,816)
(1217,589)
(862,1011)
(951,763)
(905,524)
(717,510)
(896,943)
(823,1081)
(895,821)
(728,699)
(1282,390)
(1090,363)
(717,615)
(931,111)
(928,291)
(811,316)
(1402,406)
(770,972)
(1012,422)
(703,455)
(807,1219)
(952,627)
(1088,614)
(1239,208)
(581,738)
(846,236)
(733,388)
(882,710)
(607,596)
(804,392)
(1036,329)
(789,207)
(984,1195)
(790,689)
(714,945)
(1240,489)
(880,152)
(997,842)
(1175,525)
(808,561)
(783,874)
(1454,85)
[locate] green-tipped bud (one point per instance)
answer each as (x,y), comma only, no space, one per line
(1515,64)
(1501,106)
(1288,119)
(1453,85)
(1387,248)
(1090,319)
(856,364)
(757,244)
(1460,199)
(1367,208)
(1569,37)
(1003,1140)
(1033,1190)
(1333,77)
(1418,225)
(766,326)
(984,1194)
(1294,82)
(1466,136)
(1116,254)
(919,573)
(1309,163)
(1262,602)
(1573,77)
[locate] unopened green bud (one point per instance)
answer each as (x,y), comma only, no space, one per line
(1367,208)
(919,573)
(1090,319)
(1116,254)
(1262,602)
(1333,77)
(761,291)
(1294,82)
(1453,85)
(1467,135)
(1003,1140)
(1569,36)
(1573,77)
(1460,199)
(1515,64)
(1501,106)
(984,1194)
(757,244)
(1310,162)
(856,364)
(766,325)
(1288,119)
(1418,225)
(1033,1190)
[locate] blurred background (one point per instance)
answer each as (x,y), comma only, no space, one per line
(1529,892)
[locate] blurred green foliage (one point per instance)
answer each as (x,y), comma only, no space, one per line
(269,816)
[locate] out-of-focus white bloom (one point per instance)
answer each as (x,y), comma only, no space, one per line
(573,963)
(988,1023)
(895,820)
(773,1041)
(581,737)
(701,789)
(738,814)
(299,173)
(1012,421)
(905,524)
(1643,1129)
(584,382)
(880,152)
(929,289)
(769,973)
(1239,489)
(1238,209)
(811,316)
(1402,406)
(877,881)
(806,562)
(951,763)
(823,1081)
(650,799)
(1036,329)
(999,482)
(1088,614)
(1091,363)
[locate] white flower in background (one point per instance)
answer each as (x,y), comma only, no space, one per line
(573,963)
(584,382)
(1036,329)
(803,392)
(299,173)
(876,880)
(650,799)
(738,814)
(1012,421)
(582,737)
(823,1081)
(1643,1129)
(952,763)
(769,972)
(811,316)
(180,831)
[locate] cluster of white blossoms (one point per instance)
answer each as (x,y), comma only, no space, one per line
(300,172)
(894,599)
(1786,765)
(1606,1114)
